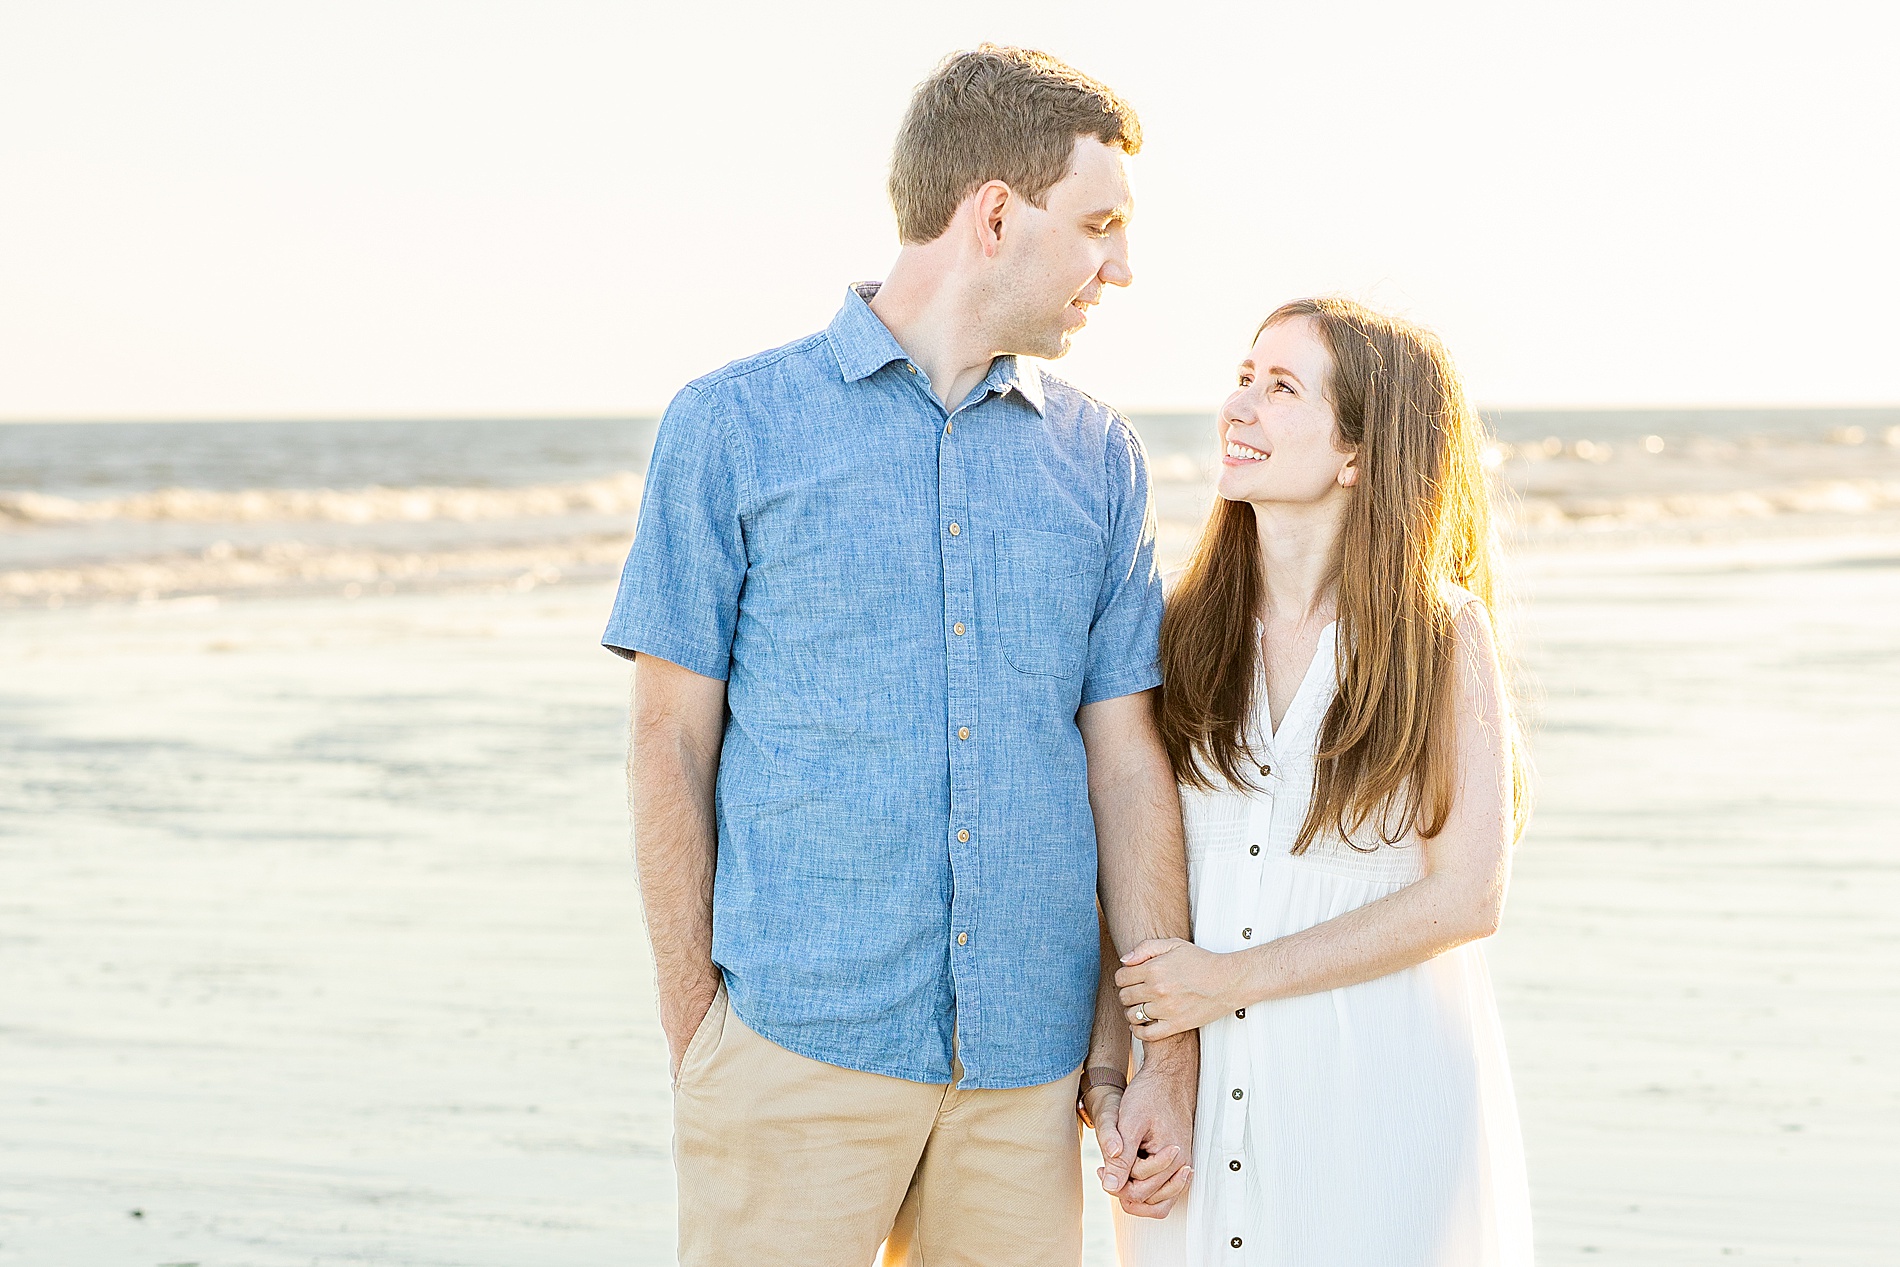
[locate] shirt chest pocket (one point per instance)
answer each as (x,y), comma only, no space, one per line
(1046,587)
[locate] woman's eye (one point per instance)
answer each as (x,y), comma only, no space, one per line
(1283,386)
(1246,380)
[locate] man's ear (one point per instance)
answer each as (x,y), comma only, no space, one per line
(992,201)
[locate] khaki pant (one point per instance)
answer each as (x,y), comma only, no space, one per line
(783,1159)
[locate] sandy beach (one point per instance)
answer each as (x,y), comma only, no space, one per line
(320,942)
(336,341)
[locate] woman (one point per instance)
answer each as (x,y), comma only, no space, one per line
(1337,718)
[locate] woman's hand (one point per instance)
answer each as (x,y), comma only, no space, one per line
(1104,1105)
(1170,986)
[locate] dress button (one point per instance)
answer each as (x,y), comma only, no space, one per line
(1235,1242)
(1247,933)
(963,939)
(1241,1014)
(1254,850)
(1233,1165)
(955,530)
(957,629)
(963,732)
(1238,1093)
(1266,771)
(963,836)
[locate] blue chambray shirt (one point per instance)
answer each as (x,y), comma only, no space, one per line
(908,606)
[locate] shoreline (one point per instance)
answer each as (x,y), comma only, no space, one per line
(324,938)
(295,570)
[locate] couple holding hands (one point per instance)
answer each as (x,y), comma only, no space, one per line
(951,825)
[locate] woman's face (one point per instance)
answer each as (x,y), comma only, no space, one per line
(1277,430)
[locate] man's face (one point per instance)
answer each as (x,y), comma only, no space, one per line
(1055,259)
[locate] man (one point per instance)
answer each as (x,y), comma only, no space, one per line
(894,607)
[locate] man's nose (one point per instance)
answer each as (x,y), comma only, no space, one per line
(1115,270)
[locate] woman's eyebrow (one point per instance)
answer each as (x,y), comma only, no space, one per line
(1284,372)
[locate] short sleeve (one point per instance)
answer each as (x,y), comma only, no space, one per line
(1125,640)
(679,590)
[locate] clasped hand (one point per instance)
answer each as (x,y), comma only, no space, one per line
(1147,1134)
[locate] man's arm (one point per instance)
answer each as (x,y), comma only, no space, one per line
(1142,875)
(679,721)
(1108,1049)
(1108,1041)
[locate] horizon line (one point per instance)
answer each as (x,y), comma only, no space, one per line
(1174,411)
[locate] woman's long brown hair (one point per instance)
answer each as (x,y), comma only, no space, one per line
(1419,516)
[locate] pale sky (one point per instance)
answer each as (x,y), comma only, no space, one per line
(398,208)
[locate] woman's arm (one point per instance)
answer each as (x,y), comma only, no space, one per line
(1459,899)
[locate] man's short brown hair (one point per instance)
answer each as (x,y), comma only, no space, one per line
(996,113)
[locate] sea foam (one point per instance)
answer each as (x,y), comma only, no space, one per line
(613,494)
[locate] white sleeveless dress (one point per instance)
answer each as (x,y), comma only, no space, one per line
(1370,1126)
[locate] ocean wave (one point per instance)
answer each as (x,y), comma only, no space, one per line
(292,565)
(610,495)
(1823,497)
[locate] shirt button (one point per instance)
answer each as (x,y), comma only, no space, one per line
(957,629)
(1235,1242)
(963,836)
(1238,1093)
(954,530)
(1254,850)
(1241,1014)
(963,939)
(1247,933)
(1233,1165)
(963,732)
(911,368)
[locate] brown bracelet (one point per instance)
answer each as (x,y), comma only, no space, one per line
(1092,1077)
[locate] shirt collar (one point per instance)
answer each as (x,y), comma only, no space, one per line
(864,345)
(1010,374)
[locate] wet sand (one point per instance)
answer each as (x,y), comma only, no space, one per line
(1701,964)
(319,938)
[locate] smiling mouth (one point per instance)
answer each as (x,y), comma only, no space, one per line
(1235,449)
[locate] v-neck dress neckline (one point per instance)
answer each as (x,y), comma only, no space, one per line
(1321,674)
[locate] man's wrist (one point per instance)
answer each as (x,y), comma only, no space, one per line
(688,987)
(1088,1105)
(1181,1052)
